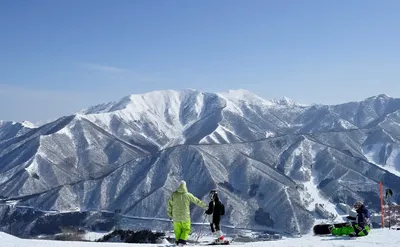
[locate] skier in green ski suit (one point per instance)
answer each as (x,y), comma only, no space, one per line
(179,211)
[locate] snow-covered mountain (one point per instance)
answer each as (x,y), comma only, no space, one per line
(9,129)
(267,158)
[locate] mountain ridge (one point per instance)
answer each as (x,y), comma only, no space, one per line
(258,153)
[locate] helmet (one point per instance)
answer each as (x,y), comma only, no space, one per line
(358,204)
(212,194)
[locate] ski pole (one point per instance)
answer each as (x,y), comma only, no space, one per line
(201,228)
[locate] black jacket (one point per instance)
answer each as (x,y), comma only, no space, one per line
(216,208)
(362,217)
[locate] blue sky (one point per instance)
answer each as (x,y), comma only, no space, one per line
(57,57)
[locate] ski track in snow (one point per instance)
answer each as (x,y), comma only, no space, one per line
(312,189)
(294,211)
(377,237)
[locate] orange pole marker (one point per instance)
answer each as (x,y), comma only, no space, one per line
(382,206)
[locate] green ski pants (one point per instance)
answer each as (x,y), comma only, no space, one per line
(182,230)
(346,230)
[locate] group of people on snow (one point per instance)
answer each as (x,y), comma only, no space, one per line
(178,210)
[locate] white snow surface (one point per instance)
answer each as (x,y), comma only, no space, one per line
(377,237)
(93,236)
(315,194)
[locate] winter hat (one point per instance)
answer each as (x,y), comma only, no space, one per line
(212,194)
(358,204)
(181,183)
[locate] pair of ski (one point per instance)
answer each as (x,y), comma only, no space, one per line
(225,242)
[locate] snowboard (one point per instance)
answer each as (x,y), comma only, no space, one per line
(323,229)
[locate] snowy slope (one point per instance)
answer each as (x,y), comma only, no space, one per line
(377,237)
(266,157)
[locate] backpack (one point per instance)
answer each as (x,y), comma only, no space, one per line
(367,213)
(222,208)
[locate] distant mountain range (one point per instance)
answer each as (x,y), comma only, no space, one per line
(264,157)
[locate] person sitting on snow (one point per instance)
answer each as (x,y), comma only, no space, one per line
(215,210)
(359,227)
(179,211)
(362,224)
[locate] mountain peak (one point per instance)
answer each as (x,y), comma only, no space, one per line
(383,96)
(285,101)
(243,95)
(379,97)
(240,92)
(28,124)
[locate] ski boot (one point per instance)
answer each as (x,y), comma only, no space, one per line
(220,240)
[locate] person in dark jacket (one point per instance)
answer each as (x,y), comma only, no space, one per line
(359,227)
(215,210)
(361,224)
